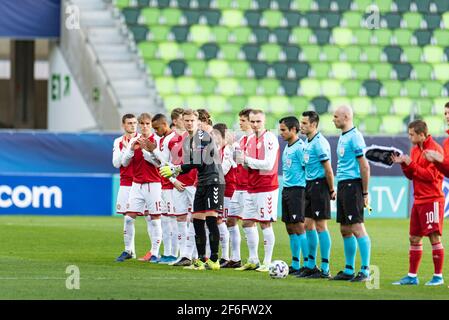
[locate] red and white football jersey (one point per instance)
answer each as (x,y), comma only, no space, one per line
(190,178)
(241,174)
(144,171)
(229,170)
(167,150)
(262,158)
(126,173)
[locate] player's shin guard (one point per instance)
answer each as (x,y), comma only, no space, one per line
(200,237)
(234,235)
(149,226)
(224,240)
(295,248)
(182,237)
(156,237)
(252,239)
(438,258)
(174,237)
(415,255)
(325,249)
(128,233)
(190,246)
(365,253)
(268,244)
(304,248)
(214,237)
(166,234)
(350,248)
(312,240)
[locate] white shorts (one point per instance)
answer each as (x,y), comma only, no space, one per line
(183,201)
(261,206)
(122,199)
(237,204)
(167,202)
(145,194)
(226,205)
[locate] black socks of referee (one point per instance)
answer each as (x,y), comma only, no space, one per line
(214,237)
(200,237)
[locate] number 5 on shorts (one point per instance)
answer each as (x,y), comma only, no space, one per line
(261,212)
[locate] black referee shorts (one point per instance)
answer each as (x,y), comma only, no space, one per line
(209,198)
(293,204)
(318,200)
(350,202)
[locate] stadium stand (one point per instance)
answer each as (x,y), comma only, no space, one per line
(290,55)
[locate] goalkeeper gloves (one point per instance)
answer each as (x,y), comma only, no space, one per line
(169,170)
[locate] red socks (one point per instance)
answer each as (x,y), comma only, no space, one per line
(438,257)
(415,255)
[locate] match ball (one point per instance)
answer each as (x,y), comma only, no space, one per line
(278,269)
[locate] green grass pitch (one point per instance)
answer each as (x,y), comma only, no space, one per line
(37,250)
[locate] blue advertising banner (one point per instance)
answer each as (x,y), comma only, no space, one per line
(27,19)
(79,195)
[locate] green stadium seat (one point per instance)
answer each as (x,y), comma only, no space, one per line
(293,18)
(322,36)
(382,105)
(342,36)
(412,54)
(200,33)
(445,18)
(121,3)
(403,5)
(192,16)
(352,19)
(301,35)
(188,50)
(237,103)
(438,106)
(391,88)
(186,85)
(372,125)
(159,33)
(177,67)
(239,35)
(331,53)
(149,16)
(282,35)
(270,52)
(280,70)
(212,17)
(131,15)
(229,118)
(362,36)
(180,33)
(432,89)
(372,87)
(332,19)
(148,49)
(279,105)
(301,70)
(269,87)
(341,70)
(260,69)
(310,87)
(262,4)
(361,70)
(220,34)
(350,53)
(393,20)
(209,51)
(392,124)
(207,86)
(170,16)
(424,106)
(361,5)
(446,52)
(320,104)
(433,54)
(261,34)
(139,33)
(173,101)
(195,101)
(331,88)
(291,52)
(229,51)
(271,18)
(232,18)
(320,70)
(433,20)
(204,4)
(218,68)
(402,70)
(361,106)
(326,124)
(382,70)
(310,52)
(155,67)
(436,124)
(422,71)
(216,103)
(197,68)
(168,51)
(382,37)
(441,6)
(393,53)
(352,87)
(441,37)
(165,85)
(299,105)
(228,87)
(413,88)
(313,19)
(249,86)
(290,87)
(403,37)
(423,37)
(184,4)
(372,53)
(240,69)
(251,51)
(402,106)
(384,5)
(424,5)
(252,18)
(301,5)
(441,71)
(411,20)
(324,5)
(336,102)
(224,4)
(258,102)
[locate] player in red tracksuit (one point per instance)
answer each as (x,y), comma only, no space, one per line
(427,214)
(441,161)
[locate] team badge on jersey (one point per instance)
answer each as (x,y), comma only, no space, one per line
(306,157)
(289,162)
(342,151)
(259,145)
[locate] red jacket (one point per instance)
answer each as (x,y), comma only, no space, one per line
(427,180)
(444,167)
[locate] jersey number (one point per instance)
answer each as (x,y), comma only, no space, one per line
(261,212)
(430,217)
